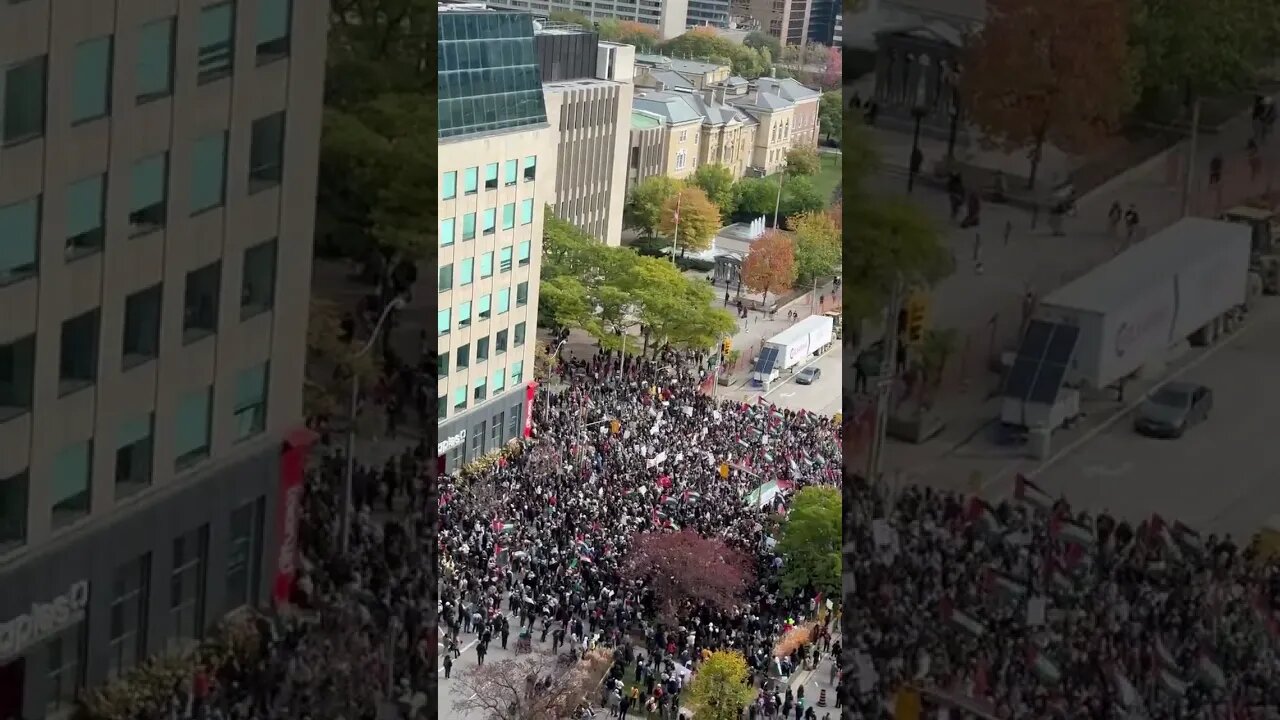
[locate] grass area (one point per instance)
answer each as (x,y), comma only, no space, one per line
(826,180)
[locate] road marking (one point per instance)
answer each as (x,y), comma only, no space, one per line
(790,394)
(1108,471)
(1124,412)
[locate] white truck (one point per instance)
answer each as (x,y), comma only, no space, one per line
(790,347)
(1177,285)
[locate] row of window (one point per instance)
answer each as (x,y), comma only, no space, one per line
(511,174)
(462,355)
(72,473)
(85,209)
(78,352)
(24,91)
(484,308)
(508,420)
(466,266)
(66,654)
(488,222)
(481,389)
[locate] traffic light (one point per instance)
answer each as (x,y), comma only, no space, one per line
(917,317)
(726,346)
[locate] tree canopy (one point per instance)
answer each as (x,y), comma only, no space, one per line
(890,240)
(817,243)
(755,197)
(717,182)
(1055,72)
(683,569)
(771,264)
(643,210)
(720,688)
(811,541)
(830,110)
(803,161)
(708,44)
(689,219)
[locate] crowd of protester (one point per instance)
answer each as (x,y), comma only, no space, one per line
(1032,609)
(532,547)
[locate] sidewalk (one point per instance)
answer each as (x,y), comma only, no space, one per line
(985,308)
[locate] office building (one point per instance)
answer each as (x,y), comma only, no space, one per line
(588,89)
(497,163)
(668,17)
(709,13)
(157,161)
(823,20)
(786,20)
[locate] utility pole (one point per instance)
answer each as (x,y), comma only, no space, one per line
(777,204)
(885,387)
(1188,176)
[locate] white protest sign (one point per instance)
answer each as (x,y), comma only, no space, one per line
(656,460)
(1036,608)
(688,410)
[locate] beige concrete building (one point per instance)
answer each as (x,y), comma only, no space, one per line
(659,72)
(805,126)
(157,159)
(772,140)
(497,176)
(786,20)
(647,154)
(683,128)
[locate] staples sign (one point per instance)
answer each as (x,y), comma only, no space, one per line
(44,620)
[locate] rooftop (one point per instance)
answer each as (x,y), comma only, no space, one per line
(787,88)
(671,107)
(644,121)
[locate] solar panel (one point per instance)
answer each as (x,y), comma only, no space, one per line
(1017,384)
(1035,340)
(767,359)
(1062,345)
(1048,384)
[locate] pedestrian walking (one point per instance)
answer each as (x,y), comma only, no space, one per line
(448,665)
(1131,221)
(1114,217)
(977,253)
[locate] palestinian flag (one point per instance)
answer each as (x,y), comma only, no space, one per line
(1189,539)
(1163,655)
(670,500)
(1056,576)
(1044,668)
(1170,682)
(1072,533)
(502,528)
(1028,492)
(690,496)
(981,512)
(1210,671)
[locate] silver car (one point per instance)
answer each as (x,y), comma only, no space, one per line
(1173,408)
(809,375)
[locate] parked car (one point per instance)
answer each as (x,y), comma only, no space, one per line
(1173,408)
(809,375)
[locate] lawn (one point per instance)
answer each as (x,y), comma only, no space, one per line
(828,176)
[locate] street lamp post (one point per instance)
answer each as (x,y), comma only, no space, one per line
(349,477)
(918,112)
(554,355)
(777,203)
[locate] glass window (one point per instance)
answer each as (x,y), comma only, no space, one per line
(444,280)
(442,364)
(469,226)
(517,372)
(504,259)
(141,341)
(217,41)
(78,353)
(464,314)
(500,342)
(91,80)
(510,172)
(508,216)
(449,185)
(153,75)
(72,468)
(470,181)
(489,221)
(460,398)
(491,176)
(486,265)
(251,401)
(483,306)
(443,323)
(526,212)
(273,29)
(466,271)
(519,335)
(15,493)
(20,228)
(446,232)
(266,152)
(462,357)
(513,417)
(127,639)
(133,455)
(187,589)
(495,425)
(200,302)
(522,255)
(85,215)
(244,548)
(24,101)
(499,380)
(504,300)
(522,294)
(67,653)
(148,194)
(530,168)
(482,349)
(191,429)
(258,282)
(442,407)
(208,172)
(479,393)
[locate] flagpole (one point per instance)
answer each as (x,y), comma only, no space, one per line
(675,239)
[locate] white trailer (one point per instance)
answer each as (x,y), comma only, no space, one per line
(792,346)
(1177,285)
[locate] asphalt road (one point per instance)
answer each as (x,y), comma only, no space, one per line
(822,397)
(1222,475)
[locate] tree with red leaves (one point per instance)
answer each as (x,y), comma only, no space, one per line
(1050,71)
(685,569)
(833,70)
(770,264)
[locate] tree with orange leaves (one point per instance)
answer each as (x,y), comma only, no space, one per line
(1055,71)
(770,264)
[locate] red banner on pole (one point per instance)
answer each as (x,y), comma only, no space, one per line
(530,394)
(293,466)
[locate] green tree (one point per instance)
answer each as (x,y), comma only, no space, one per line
(720,688)
(830,110)
(675,309)
(817,244)
(690,219)
(803,161)
(799,196)
(563,302)
(810,545)
(643,37)
(755,197)
(888,241)
(643,210)
(717,182)
(858,156)
(758,40)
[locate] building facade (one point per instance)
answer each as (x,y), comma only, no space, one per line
(156,159)
(647,153)
(497,160)
(709,13)
(786,20)
(588,90)
(668,17)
